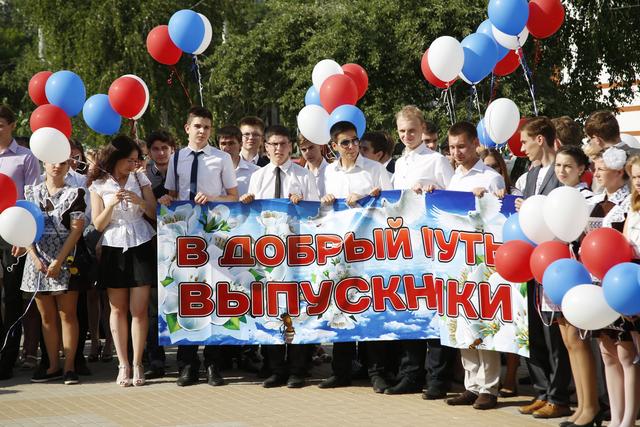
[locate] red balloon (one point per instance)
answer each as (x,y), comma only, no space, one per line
(603,248)
(515,143)
(545,18)
(161,47)
(50,116)
(9,193)
(337,90)
(546,253)
(127,96)
(428,74)
(507,65)
(512,261)
(36,87)
(359,77)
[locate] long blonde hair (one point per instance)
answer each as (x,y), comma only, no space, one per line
(635,196)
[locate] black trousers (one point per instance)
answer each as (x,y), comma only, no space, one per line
(381,357)
(288,359)
(155,352)
(188,355)
(13,308)
(548,362)
(441,363)
(343,355)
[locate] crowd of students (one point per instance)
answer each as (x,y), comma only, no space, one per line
(102,204)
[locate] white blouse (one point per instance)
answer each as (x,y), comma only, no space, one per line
(633,231)
(127,228)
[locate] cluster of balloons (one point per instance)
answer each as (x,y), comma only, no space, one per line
(188,31)
(21,221)
(331,99)
(495,46)
(536,246)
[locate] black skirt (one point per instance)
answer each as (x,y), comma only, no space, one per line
(135,267)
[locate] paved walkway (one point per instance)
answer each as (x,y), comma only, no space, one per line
(97,401)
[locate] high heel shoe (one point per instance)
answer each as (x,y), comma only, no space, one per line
(596,421)
(138,376)
(124,376)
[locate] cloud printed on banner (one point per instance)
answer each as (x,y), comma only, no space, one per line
(397,326)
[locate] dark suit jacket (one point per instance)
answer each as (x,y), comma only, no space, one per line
(391,166)
(263,161)
(549,183)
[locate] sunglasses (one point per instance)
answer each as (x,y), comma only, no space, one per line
(345,143)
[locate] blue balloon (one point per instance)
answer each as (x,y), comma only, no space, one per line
(483,135)
(186,30)
(563,275)
(351,114)
(511,230)
(509,16)
(65,89)
(486,29)
(37,215)
(312,97)
(621,288)
(100,116)
(480,56)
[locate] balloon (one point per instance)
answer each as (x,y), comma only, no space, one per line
(566,213)
(545,254)
(501,119)
(50,116)
(562,275)
(99,115)
(161,47)
(17,226)
(359,77)
(464,79)
(428,74)
(515,143)
(510,42)
(208,34)
(545,17)
(37,87)
(186,30)
(351,114)
(630,140)
(324,69)
(50,145)
(312,97)
(507,65)
(146,94)
(511,230)
(480,56)
(621,288)
(66,90)
(584,306)
(446,58)
(338,90)
(531,220)
(512,261)
(9,193)
(509,16)
(37,215)
(486,28)
(128,97)
(483,135)
(603,248)
(312,122)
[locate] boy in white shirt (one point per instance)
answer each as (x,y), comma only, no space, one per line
(315,162)
(229,140)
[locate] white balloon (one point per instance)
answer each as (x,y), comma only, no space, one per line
(17,226)
(630,140)
(208,33)
(584,307)
(566,213)
(501,119)
(146,92)
(323,70)
(50,145)
(446,58)
(531,220)
(313,122)
(510,42)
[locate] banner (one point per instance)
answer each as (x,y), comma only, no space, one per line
(398,266)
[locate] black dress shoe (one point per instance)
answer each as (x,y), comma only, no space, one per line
(274,381)
(405,386)
(379,384)
(213,377)
(335,381)
(295,381)
(154,372)
(188,376)
(431,394)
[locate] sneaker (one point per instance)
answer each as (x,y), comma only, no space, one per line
(41,376)
(70,377)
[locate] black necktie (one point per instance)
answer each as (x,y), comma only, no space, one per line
(193,186)
(278,192)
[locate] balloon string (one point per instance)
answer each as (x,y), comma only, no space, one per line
(476,100)
(453,106)
(12,266)
(470,104)
(33,297)
(134,130)
(184,88)
(199,77)
(444,99)
(527,75)
(494,87)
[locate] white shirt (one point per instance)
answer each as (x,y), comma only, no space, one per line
(479,176)
(294,178)
(541,176)
(423,166)
(319,175)
(363,177)
(243,174)
(521,182)
(215,172)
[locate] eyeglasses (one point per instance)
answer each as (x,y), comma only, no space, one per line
(277,145)
(251,134)
(345,143)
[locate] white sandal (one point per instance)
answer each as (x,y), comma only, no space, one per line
(124,376)
(138,375)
